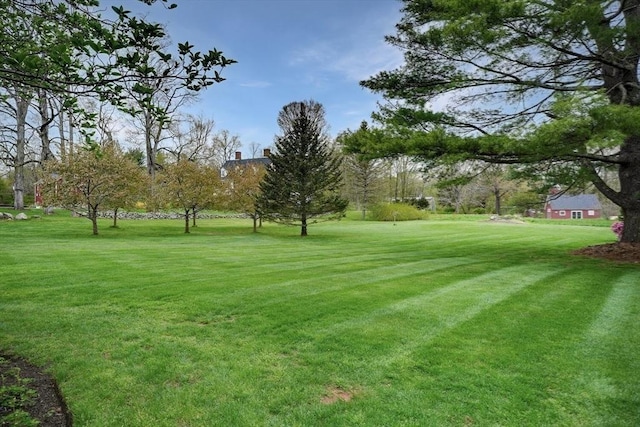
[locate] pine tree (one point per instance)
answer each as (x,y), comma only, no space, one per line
(304,178)
(550,86)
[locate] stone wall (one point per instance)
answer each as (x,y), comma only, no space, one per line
(135,215)
(162,215)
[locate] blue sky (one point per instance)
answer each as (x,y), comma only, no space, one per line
(287,50)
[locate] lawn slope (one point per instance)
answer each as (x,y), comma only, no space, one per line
(362,323)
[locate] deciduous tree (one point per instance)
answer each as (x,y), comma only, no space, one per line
(364,168)
(13,147)
(188,186)
(84,51)
(224,146)
(242,188)
(193,139)
(90,179)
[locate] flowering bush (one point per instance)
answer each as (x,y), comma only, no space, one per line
(617,228)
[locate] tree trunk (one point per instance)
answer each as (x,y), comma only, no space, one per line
(149,146)
(629,174)
(622,87)
(45,121)
(255,223)
(193,209)
(72,127)
(93,216)
(631,230)
(303,227)
(365,197)
(61,127)
(187,217)
(22,107)
(628,198)
(18,189)
(22,100)
(498,196)
(115,218)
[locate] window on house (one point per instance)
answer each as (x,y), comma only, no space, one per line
(562,213)
(591,212)
(576,214)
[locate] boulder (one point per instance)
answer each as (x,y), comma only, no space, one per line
(6,215)
(21,216)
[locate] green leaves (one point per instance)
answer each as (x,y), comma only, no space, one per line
(142,89)
(121,12)
(184,48)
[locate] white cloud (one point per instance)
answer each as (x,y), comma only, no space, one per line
(358,56)
(255,84)
(359,64)
(318,52)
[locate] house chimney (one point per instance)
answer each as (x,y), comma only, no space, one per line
(238,155)
(266,152)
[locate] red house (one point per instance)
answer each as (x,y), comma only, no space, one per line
(585,206)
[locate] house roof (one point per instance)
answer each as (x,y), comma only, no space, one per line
(581,201)
(246,162)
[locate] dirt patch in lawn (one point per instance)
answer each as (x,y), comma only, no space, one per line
(336,394)
(504,220)
(24,386)
(620,252)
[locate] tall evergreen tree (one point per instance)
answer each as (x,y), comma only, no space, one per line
(304,178)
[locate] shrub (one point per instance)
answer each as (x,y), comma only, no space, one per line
(617,228)
(395,212)
(6,195)
(420,203)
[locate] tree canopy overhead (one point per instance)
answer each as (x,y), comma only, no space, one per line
(496,63)
(552,84)
(74,47)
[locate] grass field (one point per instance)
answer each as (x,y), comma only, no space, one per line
(439,322)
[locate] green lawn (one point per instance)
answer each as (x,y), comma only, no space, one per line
(461,322)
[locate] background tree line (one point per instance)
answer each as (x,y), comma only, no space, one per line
(570,119)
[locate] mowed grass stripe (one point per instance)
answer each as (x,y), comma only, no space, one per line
(325,280)
(606,379)
(421,318)
(402,326)
(519,356)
